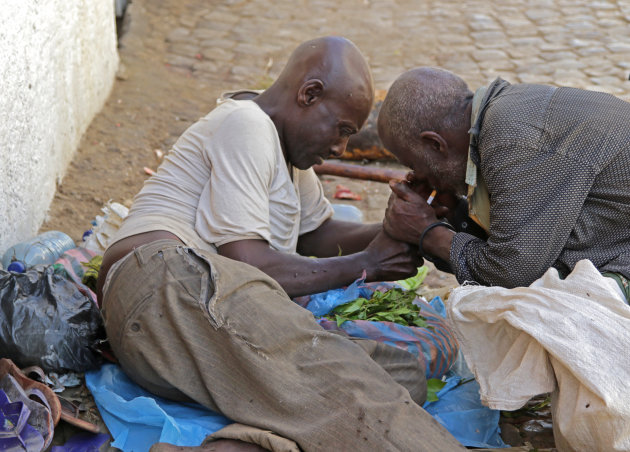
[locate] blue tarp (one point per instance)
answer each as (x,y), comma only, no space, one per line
(137,419)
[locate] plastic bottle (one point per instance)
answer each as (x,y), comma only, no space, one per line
(43,249)
(346,212)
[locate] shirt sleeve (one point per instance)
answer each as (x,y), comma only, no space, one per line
(535,200)
(315,208)
(234,204)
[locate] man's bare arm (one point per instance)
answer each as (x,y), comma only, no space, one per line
(383,259)
(334,238)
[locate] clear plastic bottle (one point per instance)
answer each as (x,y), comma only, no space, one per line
(43,249)
(346,212)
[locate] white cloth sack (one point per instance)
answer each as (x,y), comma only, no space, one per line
(570,337)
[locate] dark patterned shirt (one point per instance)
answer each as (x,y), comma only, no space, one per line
(557,165)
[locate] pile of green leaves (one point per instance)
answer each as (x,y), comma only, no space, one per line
(395,305)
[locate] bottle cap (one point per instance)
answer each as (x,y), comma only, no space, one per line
(17,267)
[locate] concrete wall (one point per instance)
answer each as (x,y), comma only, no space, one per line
(58,61)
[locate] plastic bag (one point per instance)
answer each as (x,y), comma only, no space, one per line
(46,321)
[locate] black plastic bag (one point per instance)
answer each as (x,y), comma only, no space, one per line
(46,321)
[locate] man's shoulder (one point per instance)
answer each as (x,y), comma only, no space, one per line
(232,118)
(238,110)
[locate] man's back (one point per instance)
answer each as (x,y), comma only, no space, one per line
(557,165)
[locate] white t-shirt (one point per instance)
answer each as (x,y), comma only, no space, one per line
(225,180)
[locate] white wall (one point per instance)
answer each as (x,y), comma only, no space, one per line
(58,61)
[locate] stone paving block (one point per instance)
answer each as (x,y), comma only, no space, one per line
(212,52)
(597,71)
(610,89)
(566,65)
(489,39)
(180,61)
(530,41)
(591,50)
(461,67)
(222,43)
(619,47)
(482,22)
(554,46)
(575,10)
(205,66)
(489,55)
(453,39)
(184,49)
(606,80)
(538,79)
(522,52)
(223,17)
(502,66)
(188,22)
(178,34)
(540,16)
(204,32)
(578,43)
(602,5)
(534,69)
(249,71)
(560,55)
(248,49)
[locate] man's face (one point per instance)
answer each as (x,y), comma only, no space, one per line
(321,130)
(446,175)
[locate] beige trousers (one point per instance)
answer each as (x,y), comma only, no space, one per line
(190,325)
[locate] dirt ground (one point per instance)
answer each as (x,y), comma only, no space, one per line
(151,104)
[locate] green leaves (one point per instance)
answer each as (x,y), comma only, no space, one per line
(433,387)
(395,305)
(415,281)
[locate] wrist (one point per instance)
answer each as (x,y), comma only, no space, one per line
(435,241)
(364,262)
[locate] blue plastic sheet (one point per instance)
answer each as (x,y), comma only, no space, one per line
(83,442)
(322,303)
(138,419)
(460,411)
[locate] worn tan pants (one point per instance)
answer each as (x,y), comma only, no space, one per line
(190,325)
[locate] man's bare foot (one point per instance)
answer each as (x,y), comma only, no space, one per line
(220,445)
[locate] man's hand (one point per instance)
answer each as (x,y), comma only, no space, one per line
(390,259)
(407,214)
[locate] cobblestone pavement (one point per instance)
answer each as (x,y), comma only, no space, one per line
(177,56)
(585,44)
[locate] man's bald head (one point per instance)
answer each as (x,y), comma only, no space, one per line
(334,60)
(323,95)
(423,99)
(424,121)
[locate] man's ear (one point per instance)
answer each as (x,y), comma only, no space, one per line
(310,92)
(435,141)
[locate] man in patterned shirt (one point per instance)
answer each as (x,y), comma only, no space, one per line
(546,172)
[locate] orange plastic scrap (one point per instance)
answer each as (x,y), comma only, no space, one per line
(344,192)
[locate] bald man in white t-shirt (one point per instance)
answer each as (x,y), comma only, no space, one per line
(196,288)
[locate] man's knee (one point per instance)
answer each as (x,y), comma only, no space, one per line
(404,367)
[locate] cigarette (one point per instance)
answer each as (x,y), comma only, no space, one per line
(431,197)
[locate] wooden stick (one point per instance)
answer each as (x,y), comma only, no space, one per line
(360,172)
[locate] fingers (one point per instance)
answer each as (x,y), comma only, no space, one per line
(402,190)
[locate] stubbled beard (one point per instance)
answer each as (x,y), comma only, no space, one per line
(453,172)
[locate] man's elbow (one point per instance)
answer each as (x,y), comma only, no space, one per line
(509,271)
